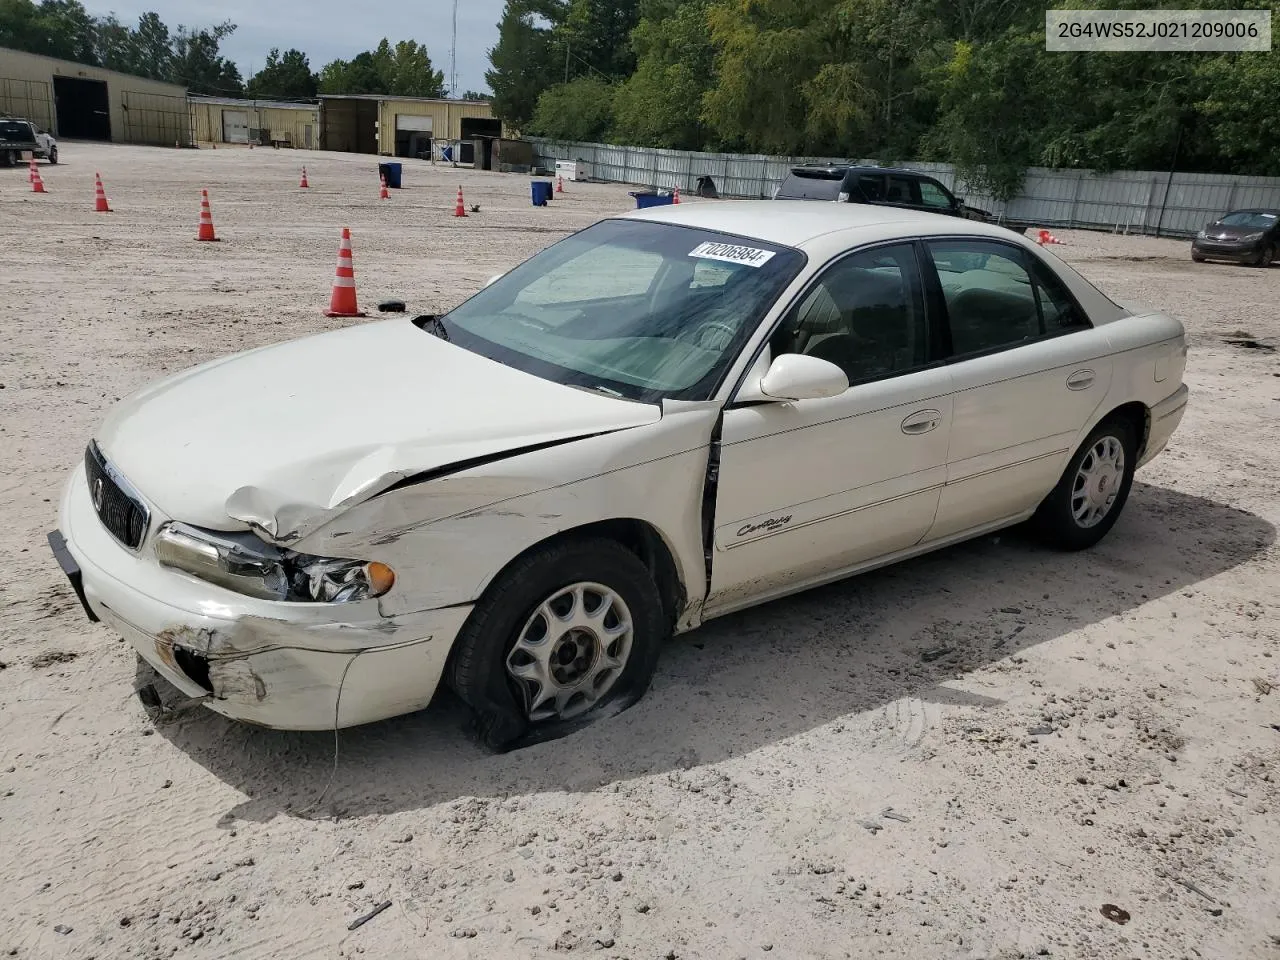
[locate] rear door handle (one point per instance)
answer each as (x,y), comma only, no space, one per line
(1080,380)
(922,421)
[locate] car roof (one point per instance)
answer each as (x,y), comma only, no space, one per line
(1271,210)
(813,224)
(864,167)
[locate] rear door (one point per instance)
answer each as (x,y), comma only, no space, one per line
(1028,371)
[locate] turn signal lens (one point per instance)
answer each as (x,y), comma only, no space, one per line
(381,578)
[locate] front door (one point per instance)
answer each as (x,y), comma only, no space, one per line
(1028,372)
(809,489)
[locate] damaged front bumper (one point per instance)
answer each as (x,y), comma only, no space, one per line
(290,666)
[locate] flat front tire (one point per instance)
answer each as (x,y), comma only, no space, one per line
(1093,489)
(561,637)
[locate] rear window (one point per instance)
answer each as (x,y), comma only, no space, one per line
(816,184)
(12,130)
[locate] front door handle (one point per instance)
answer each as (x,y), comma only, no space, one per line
(922,421)
(1080,380)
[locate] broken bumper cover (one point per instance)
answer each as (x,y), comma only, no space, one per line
(283,665)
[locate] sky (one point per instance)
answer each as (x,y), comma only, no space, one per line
(327,30)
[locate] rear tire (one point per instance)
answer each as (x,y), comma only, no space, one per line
(1093,489)
(507,708)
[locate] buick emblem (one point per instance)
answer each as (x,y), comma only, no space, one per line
(98,493)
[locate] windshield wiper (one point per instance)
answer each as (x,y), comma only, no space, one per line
(434,326)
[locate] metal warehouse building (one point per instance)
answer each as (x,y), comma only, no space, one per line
(265,122)
(79,102)
(401,126)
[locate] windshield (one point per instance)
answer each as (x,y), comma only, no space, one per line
(642,310)
(1249,218)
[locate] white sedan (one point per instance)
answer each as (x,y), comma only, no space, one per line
(669,416)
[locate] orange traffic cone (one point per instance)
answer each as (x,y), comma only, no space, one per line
(459,210)
(382,194)
(675,197)
(1046,237)
(206,218)
(303,182)
(559,184)
(342,300)
(99,196)
(31,170)
(37,184)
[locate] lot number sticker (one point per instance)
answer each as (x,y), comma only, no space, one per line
(732,253)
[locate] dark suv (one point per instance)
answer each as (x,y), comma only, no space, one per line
(883,186)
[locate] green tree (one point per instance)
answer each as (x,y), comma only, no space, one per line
(473,95)
(1237,102)
(360,74)
(69,29)
(21,27)
(597,34)
(526,59)
(581,109)
(198,65)
(406,70)
(153,47)
(660,105)
(766,52)
(285,76)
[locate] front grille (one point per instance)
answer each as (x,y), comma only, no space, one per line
(124,516)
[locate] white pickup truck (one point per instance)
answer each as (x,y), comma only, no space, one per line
(18,136)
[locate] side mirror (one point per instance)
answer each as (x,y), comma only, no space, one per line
(794,376)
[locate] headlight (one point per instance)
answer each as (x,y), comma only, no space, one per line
(842,197)
(245,564)
(1253,236)
(1202,235)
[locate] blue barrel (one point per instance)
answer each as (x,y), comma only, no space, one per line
(391,173)
(650,200)
(541,192)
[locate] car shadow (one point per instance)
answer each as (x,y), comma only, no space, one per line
(757,677)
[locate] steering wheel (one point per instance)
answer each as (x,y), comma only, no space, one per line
(699,335)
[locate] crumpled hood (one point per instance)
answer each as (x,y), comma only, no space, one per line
(287,436)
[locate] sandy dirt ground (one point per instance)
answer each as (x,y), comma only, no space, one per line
(965,756)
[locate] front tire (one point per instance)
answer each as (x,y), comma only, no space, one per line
(566,631)
(53,155)
(1197,258)
(1093,489)
(1265,256)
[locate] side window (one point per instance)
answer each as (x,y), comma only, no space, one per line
(991,302)
(903,190)
(872,187)
(932,195)
(865,314)
(1057,306)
